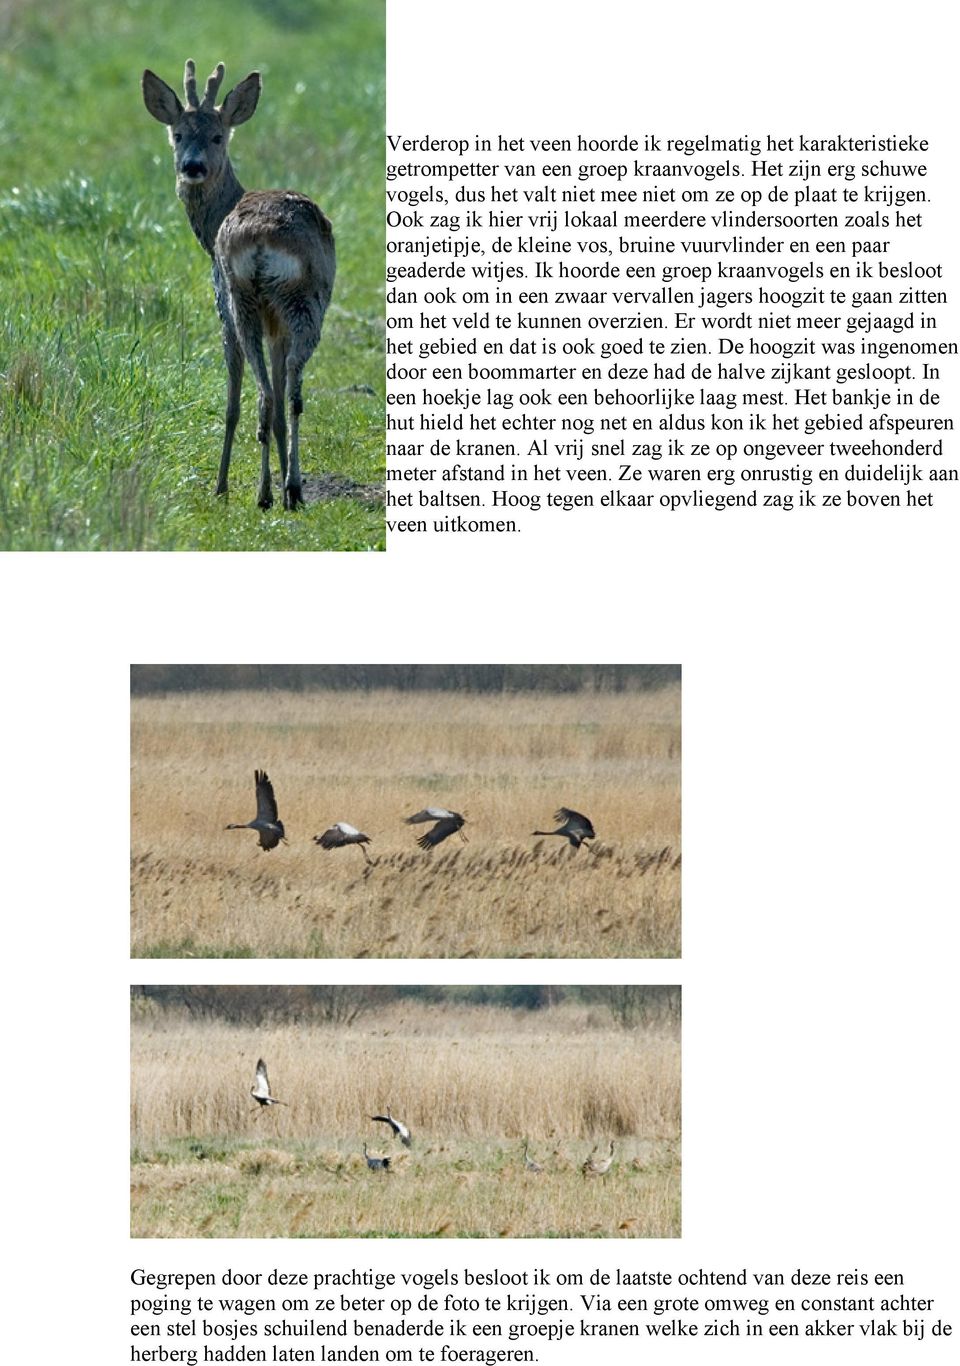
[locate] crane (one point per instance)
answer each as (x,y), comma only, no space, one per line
(447,823)
(528,1161)
(340,834)
(376,1164)
(576,828)
(261,1091)
(598,1166)
(267,822)
(397,1125)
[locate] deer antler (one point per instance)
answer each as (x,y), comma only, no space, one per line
(213,85)
(190,85)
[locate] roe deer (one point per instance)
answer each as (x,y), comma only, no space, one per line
(273,263)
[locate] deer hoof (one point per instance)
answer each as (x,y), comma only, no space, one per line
(265,500)
(293,497)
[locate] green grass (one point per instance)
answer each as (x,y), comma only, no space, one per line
(279,1188)
(111,375)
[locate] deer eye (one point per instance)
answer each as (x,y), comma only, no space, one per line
(178,137)
(218,138)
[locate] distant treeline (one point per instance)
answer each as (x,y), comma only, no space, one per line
(630,1004)
(475,678)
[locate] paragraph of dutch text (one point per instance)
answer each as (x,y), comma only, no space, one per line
(651,324)
(490,1316)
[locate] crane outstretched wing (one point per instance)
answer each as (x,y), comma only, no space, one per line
(262,1087)
(397,1125)
(430,813)
(576,820)
(441,831)
(266,801)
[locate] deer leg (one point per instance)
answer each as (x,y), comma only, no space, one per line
(278,373)
(233,356)
(293,491)
(253,348)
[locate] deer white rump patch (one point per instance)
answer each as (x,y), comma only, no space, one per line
(266,263)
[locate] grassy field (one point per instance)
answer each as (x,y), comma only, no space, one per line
(472,1084)
(112,385)
(373,758)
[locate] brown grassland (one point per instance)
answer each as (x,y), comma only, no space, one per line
(373,758)
(471,1082)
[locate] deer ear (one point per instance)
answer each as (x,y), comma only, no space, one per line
(242,100)
(160,100)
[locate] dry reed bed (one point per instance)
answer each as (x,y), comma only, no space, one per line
(472,1082)
(452,1073)
(373,758)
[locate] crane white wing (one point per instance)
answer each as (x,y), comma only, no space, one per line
(262,1087)
(430,813)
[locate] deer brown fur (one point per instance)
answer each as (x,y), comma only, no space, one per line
(273,264)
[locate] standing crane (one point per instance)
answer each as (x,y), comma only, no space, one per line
(340,834)
(261,1091)
(576,828)
(376,1164)
(598,1166)
(267,821)
(528,1162)
(447,823)
(397,1125)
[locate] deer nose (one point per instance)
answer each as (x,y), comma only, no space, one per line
(193,170)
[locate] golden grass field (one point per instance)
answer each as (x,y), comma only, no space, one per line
(471,1082)
(373,758)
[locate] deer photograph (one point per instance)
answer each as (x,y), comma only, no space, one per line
(273,265)
(140,392)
